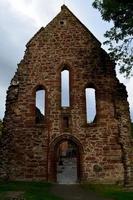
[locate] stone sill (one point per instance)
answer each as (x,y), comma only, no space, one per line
(93,124)
(65,109)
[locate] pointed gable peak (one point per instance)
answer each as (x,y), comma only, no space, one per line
(64,8)
(64,14)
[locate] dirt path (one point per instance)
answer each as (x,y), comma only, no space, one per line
(74,192)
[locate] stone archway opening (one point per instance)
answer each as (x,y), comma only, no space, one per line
(67,161)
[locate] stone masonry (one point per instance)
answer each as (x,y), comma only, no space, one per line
(27,148)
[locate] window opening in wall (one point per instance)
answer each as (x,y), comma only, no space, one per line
(40,105)
(65,122)
(63,22)
(65,92)
(90,104)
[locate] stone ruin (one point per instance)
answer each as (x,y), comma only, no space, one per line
(28,147)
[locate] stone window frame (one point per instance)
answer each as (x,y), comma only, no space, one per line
(91,86)
(66,66)
(63,128)
(42,87)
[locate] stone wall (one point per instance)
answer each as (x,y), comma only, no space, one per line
(105,145)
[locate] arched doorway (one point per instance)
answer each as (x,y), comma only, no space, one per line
(67,155)
(65,160)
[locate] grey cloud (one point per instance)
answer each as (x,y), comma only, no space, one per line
(15,31)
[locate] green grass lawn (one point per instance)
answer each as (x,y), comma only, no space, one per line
(31,190)
(110,191)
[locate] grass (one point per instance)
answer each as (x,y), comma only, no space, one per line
(110,191)
(32,190)
(41,190)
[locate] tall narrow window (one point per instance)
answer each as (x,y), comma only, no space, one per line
(40,105)
(90,104)
(65,91)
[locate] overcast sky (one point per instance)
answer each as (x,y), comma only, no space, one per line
(21,19)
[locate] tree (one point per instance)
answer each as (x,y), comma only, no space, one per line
(120,36)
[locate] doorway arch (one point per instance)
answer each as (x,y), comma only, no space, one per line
(54,157)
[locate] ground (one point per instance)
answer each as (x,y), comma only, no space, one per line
(74,192)
(67,172)
(47,191)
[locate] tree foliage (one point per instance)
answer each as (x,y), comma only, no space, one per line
(120,36)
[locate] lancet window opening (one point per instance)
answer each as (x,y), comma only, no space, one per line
(90,95)
(65,88)
(40,104)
